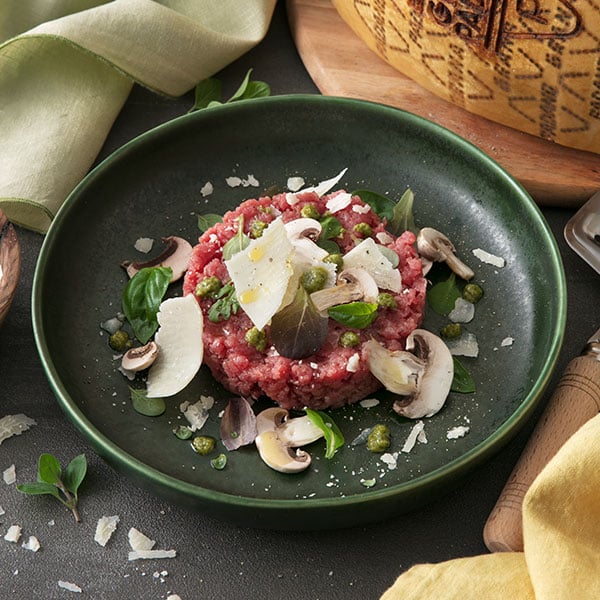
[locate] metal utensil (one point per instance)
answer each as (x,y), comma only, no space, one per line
(575,401)
(582,232)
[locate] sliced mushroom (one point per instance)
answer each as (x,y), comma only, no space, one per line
(140,358)
(434,245)
(176,255)
(422,374)
(277,436)
(353,285)
(303,228)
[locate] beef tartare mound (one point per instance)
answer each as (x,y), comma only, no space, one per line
(246,270)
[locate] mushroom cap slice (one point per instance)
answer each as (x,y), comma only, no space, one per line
(140,358)
(434,382)
(176,255)
(281,457)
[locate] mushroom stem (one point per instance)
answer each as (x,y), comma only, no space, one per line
(434,245)
(338,294)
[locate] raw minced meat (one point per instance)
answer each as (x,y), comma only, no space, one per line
(333,376)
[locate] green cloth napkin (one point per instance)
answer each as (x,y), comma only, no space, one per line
(67,67)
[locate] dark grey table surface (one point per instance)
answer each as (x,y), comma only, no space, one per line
(216,559)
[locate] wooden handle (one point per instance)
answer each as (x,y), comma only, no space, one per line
(575,401)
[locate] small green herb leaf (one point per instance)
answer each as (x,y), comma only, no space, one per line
(225,305)
(250,89)
(238,242)
(206,221)
(402,219)
(50,483)
(207,92)
(356,315)
(39,488)
(75,473)
(462,382)
(331,228)
(443,295)
(149,407)
(142,297)
(48,469)
(298,330)
(333,436)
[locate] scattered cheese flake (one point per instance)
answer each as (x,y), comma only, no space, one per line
(457,432)
(488,258)
(363,209)
(391,460)
(9,475)
(339,202)
(151,554)
(2,511)
(411,440)
(105,528)
(144,244)
(353,362)
(31,544)
(71,587)
(369,402)
(207,189)
(14,425)
(465,345)
(422,437)
(383,237)
(507,341)
(250,181)
(367,256)
(173,597)
(325,186)
(233,181)
(295,183)
(463,311)
(13,534)
(197,413)
(138,541)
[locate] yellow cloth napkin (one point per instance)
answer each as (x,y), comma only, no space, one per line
(67,67)
(561,530)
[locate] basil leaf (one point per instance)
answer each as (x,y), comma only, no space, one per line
(330,228)
(462,382)
(149,407)
(298,330)
(333,436)
(382,205)
(239,93)
(250,89)
(142,297)
(74,474)
(48,469)
(356,315)
(208,220)
(443,295)
(402,218)
(206,94)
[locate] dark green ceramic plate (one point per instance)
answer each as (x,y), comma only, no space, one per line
(151,188)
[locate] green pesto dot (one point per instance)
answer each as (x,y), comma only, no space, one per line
(451,331)
(379,439)
(309,211)
(256,338)
(349,339)
(183,432)
(386,300)
(257,228)
(208,287)
(203,444)
(314,279)
(120,341)
(363,229)
(472,292)
(335,259)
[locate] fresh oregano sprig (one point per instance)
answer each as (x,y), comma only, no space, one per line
(53,481)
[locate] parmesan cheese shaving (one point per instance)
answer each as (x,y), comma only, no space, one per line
(139,542)
(197,413)
(413,436)
(13,534)
(207,189)
(367,256)
(457,432)
(32,544)
(144,244)
(339,202)
(151,554)
(488,258)
(71,587)
(9,475)
(261,273)
(14,425)
(105,527)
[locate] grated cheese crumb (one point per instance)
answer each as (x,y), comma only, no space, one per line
(71,587)
(144,244)
(105,528)
(295,183)
(197,413)
(413,436)
(369,402)
(233,181)
(13,534)
(9,475)
(151,554)
(488,258)
(14,425)
(32,544)
(353,361)
(138,541)
(457,432)
(507,341)
(207,189)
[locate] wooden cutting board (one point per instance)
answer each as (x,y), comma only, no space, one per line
(341,64)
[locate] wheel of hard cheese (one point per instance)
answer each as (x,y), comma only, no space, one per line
(533,65)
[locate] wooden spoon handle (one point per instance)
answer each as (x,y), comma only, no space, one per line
(575,401)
